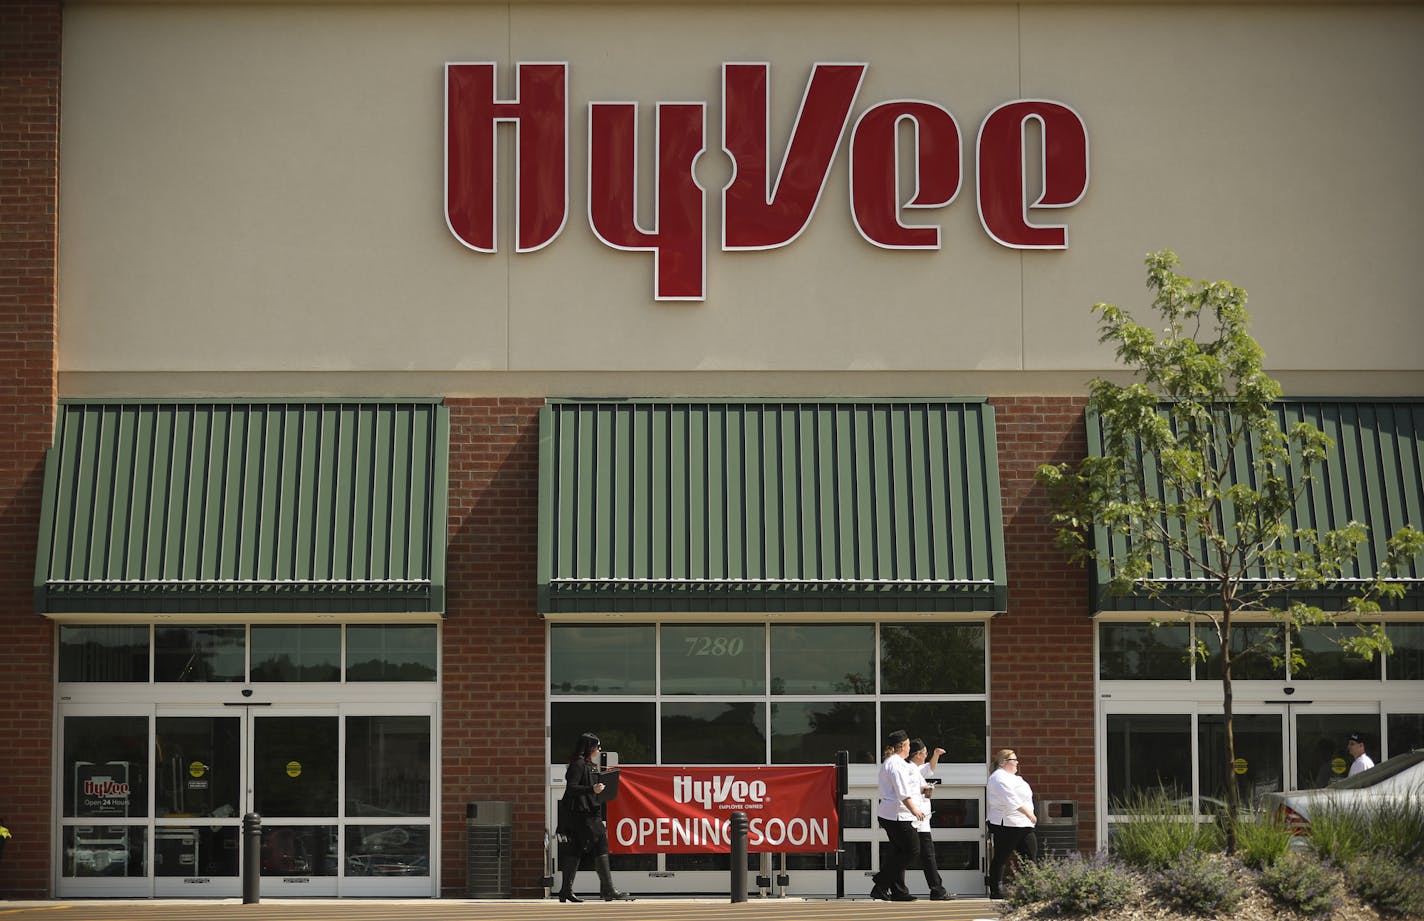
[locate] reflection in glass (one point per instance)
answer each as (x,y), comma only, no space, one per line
(387,850)
(932,659)
(630,729)
(105,766)
(954,813)
(957,726)
(721,862)
(714,659)
(1325,659)
(199,653)
(197,850)
(197,762)
(598,659)
(1406,732)
(296,652)
(103,653)
(812,733)
(387,765)
(105,850)
(299,850)
(1406,662)
(714,733)
(1143,652)
(390,653)
(822,659)
(1258,768)
(294,765)
(1321,758)
(1147,752)
(859,813)
(1257,652)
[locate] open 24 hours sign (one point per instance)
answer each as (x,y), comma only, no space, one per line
(688,810)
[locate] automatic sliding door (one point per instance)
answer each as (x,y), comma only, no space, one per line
(295,789)
(197,804)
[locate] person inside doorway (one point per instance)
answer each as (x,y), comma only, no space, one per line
(926,767)
(1355,745)
(1009,801)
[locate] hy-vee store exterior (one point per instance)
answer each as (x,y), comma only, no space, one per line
(395,390)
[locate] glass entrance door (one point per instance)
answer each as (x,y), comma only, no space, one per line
(199,799)
(295,788)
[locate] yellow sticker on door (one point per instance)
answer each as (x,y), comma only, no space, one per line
(294,769)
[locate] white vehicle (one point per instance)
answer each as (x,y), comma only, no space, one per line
(1400,779)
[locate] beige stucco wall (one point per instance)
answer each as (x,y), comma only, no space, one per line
(251,199)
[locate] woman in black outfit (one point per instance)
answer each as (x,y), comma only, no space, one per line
(581,827)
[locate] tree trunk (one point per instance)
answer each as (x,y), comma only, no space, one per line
(1233,805)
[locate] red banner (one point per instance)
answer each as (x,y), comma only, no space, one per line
(685,810)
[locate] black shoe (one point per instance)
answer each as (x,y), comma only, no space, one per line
(941,896)
(877,892)
(904,898)
(614,895)
(996,895)
(569,897)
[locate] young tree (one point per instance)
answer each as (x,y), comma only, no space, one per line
(1198,472)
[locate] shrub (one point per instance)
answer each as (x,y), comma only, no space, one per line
(1157,829)
(1337,833)
(1391,885)
(1261,841)
(1201,882)
(1074,885)
(1302,883)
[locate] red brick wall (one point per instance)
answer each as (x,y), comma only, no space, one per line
(29,160)
(1041,676)
(494,640)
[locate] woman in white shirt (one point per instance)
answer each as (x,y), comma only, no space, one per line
(1010,816)
(898,810)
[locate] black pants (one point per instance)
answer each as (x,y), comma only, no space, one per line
(1009,839)
(927,863)
(904,844)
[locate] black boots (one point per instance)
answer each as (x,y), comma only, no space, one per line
(605,881)
(568,865)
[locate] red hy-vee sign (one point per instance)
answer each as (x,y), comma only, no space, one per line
(759,210)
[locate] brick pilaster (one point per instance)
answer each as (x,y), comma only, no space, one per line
(29,167)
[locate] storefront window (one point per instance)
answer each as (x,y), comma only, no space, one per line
(387,850)
(1147,752)
(1144,652)
(597,659)
(957,726)
(932,659)
(625,727)
(714,733)
(296,652)
(294,762)
(189,654)
(390,653)
(1321,756)
(1406,662)
(812,733)
(388,771)
(106,767)
(1257,652)
(1325,659)
(299,850)
(105,850)
(822,659)
(195,850)
(197,761)
(714,659)
(1406,732)
(103,653)
(1257,769)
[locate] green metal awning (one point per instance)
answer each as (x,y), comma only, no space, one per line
(754,506)
(228,507)
(1374,475)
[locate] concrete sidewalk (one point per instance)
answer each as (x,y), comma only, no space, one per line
(659,909)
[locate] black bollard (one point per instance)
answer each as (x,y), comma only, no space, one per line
(251,858)
(739,857)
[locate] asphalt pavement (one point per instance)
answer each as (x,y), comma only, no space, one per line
(662,909)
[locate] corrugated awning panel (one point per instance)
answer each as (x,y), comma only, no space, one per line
(769,506)
(1374,475)
(245,507)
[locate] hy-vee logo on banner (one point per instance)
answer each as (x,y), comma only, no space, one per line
(760,209)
